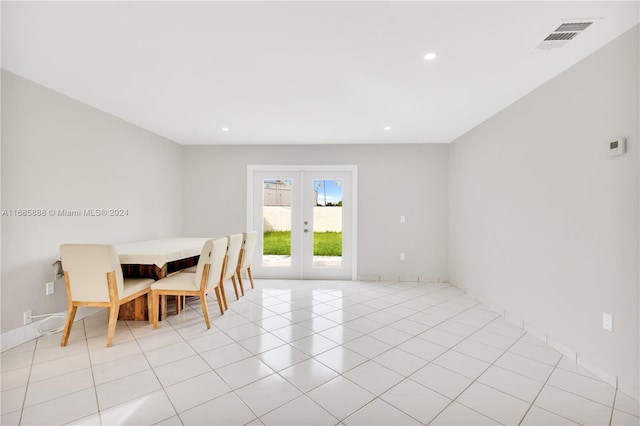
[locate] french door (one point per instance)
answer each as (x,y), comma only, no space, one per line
(305,217)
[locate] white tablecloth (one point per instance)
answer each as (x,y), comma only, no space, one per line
(159,252)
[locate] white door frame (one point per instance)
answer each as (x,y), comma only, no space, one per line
(252,168)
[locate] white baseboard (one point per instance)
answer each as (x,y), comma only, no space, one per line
(13,338)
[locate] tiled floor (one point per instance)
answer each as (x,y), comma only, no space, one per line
(309,352)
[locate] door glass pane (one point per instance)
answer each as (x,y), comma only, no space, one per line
(327,223)
(276,226)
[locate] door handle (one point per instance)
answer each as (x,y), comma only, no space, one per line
(306,230)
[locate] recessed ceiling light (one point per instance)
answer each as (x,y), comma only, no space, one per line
(225,129)
(387,127)
(430,56)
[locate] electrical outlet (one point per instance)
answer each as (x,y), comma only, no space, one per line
(49,288)
(401,256)
(607,321)
(26,317)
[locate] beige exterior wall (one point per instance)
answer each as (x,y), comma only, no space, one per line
(325,219)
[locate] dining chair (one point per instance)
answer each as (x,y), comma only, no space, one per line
(231,262)
(246,256)
(93,277)
(207,277)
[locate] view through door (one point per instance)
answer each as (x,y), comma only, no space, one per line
(305,221)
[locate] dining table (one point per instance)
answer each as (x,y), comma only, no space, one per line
(155,259)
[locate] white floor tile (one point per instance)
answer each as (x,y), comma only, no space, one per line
(195,391)
(374,377)
(245,331)
(478,350)
(573,407)
(292,333)
(225,355)
(422,348)
(308,375)
(341,397)
(210,341)
(58,386)
(126,388)
(511,383)
(105,372)
(400,361)
(367,346)
(57,367)
(592,389)
(183,369)
(462,364)
(441,380)
(416,345)
(282,357)
(123,350)
(459,415)
(261,343)
(525,366)
(621,418)
(390,335)
(62,410)
(170,353)
(314,344)
(12,399)
(544,354)
(340,359)
(379,412)
(623,403)
(539,417)
(416,400)
(267,394)
(15,378)
(494,404)
(300,411)
(147,409)
(440,337)
(171,421)
(225,410)
(244,372)
(340,334)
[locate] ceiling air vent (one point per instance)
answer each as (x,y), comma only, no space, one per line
(563,34)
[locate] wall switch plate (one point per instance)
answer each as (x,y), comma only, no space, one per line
(402,219)
(401,256)
(49,288)
(607,321)
(26,317)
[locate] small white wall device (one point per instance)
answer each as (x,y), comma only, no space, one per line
(617,147)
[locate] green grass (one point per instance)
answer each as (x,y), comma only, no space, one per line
(324,243)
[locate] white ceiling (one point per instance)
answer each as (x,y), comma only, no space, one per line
(300,72)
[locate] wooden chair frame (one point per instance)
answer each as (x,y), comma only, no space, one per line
(200,293)
(113,307)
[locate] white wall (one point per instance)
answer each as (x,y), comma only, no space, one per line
(59,153)
(408,180)
(543,223)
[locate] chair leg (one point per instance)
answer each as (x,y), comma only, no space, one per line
(150,308)
(155,302)
(235,286)
(219,297)
(205,310)
(224,295)
(239,274)
(250,276)
(71,314)
(113,321)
